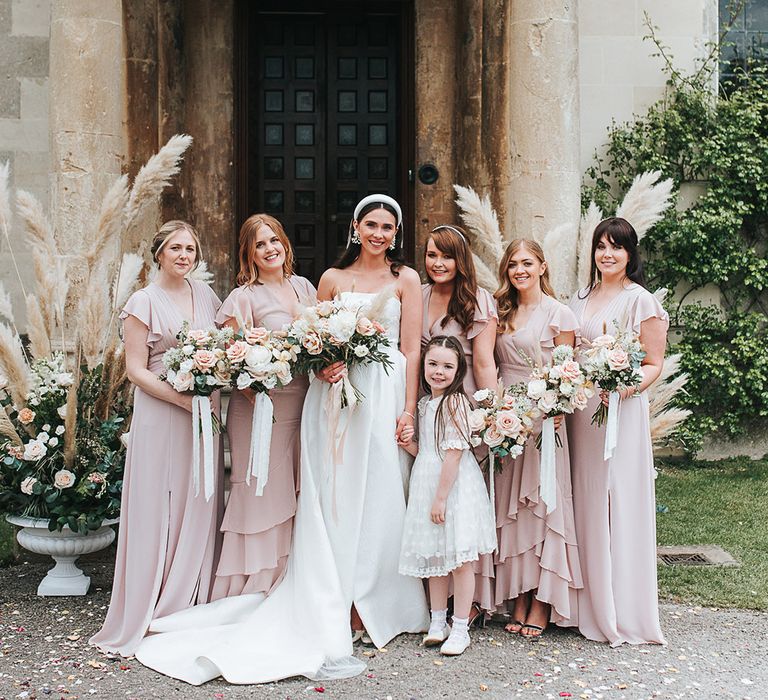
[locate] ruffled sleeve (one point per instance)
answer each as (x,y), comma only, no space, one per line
(236,306)
(139,305)
(561,319)
(453,436)
(484,312)
(646,306)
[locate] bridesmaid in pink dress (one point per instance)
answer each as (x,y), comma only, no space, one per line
(614,500)
(257,529)
(455,305)
(537,569)
(166,548)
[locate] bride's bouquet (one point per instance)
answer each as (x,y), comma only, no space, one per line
(199,365)
(559,388)
(613,362)
(261,360)
(337,331)
(503,421)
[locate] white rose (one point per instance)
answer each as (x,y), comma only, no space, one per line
(188,349)
(183,381)
(186,366)
(28,485)
(244,380)
(342,325)
(475,441)
(300,328)
(567,389)
(361,350)
(554,372)
(62,411)
(270,381)
(42,437)
(482,395)
(34,450)
(53,442)
(59,430)
(46,428)
(63,479)
(125,438)
(258,356)
(548,401)
(64,379)
(536,388)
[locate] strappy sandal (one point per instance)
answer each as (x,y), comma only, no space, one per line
(476,617)
(535,628)
(515,623)
(357,635)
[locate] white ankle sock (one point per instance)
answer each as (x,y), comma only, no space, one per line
(439,618)
(461,624)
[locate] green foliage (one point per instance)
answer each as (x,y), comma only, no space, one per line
(718,143)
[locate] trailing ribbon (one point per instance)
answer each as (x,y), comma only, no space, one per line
(612,425)
(261,439)
(339,393)
(201,416)
(547,465)
(492,489)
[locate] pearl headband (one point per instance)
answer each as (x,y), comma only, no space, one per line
(451,228)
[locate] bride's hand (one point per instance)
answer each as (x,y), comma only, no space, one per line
(332,373)
(405,420)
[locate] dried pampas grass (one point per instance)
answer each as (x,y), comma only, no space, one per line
(664,418)
(70,424)
(5,200)
(201,273)
(13,365)
(664,425)
(485,276)
(589,221)
(40,231)
(154,176)
(645,201)
(480,218)
(126,279)
(6,307)
(110,222)
(46,290)
(558,252)
(6,428)
(378,305)
(93,323)
(39,337)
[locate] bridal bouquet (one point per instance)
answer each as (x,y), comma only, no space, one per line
(503,421)
(613,362)
(199,365)
(261,360)
(561,387)
(337,331)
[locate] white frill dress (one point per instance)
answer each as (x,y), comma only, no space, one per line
(337,558)
(469,530)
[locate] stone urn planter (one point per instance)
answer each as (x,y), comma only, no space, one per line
(65,547)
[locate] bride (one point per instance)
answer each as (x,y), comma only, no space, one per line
(347,537)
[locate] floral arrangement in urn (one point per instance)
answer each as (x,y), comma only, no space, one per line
(65,398)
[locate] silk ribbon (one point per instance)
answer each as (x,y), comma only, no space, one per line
(201,418)
(547,465)
(261,439)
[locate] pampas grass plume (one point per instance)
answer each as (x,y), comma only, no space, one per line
(126,279)
(110,220)
(70,424)
(485,276)
(6,307)
(40,231)
(13,365)
(6,428)
(480,218)
(558,247)
(589,221)
(201,273)
(39,337)
(645,201)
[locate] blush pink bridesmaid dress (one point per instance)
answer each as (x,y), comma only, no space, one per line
(484,312)
(167,543)
(614,501)
(537,551)
(257,529)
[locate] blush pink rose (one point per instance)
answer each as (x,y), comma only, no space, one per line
(204,359)
(618,359)
(198,336)
(237,351)
(570,370)
(63,479)
(493,436)
(508,423)
(579,400)
(365,326)
(603,341)
(256,336)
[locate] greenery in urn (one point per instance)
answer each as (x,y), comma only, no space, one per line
(65,398)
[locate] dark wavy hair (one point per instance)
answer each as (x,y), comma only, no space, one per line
(621,234)
(463,300)
(352,251)
(454,402)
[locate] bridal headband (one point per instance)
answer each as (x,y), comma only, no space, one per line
(451,228)
(379,199)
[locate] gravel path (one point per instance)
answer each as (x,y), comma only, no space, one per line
(711,654)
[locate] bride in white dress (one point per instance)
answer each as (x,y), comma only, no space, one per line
(345,562)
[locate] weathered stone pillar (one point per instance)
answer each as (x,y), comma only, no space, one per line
(544,119)
(86,110)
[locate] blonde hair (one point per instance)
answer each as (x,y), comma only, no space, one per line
(166,231)
(249,272)
(506,295)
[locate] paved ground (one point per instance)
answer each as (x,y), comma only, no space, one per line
(711,654)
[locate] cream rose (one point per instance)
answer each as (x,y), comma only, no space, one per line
(476,418)
(183,381)
(361,351)
(603,341)
(324,308)
(34,450)
(26,416)
(536,388)
(508,423)
(28,485)
(283,371)
(198,336)
(548,401)
(618,359)
(63,479)
(312,343)
(365,326)
(579,400)
(570,370)
(493,436)
(204,359)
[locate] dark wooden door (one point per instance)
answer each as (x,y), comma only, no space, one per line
(322,118)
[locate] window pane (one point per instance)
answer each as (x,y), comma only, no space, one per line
(273,100)
(377,135)
(347,101)
(273,134)
(305,135)
(347,135)
(305,168)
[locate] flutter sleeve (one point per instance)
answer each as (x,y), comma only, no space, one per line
(646,306)
(306,292)
(139,305)
(561,320)
(236,306)
(454,433)
(484,312)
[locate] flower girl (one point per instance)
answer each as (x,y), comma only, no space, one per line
(449,521)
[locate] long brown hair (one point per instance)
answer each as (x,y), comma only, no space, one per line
(453,241)
(454,402)
(507,298)
(249,273)
(352,251)
(620,233)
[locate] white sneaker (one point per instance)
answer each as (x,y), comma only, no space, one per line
(437,634)
(456,644)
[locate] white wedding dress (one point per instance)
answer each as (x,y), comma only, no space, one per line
(340,556)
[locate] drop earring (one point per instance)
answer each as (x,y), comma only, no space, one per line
(392,245)
(355,237)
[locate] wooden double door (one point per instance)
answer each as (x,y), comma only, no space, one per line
(323,117)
